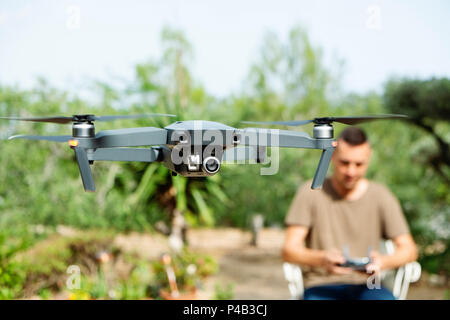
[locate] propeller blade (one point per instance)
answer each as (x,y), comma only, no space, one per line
(356,120)
(47,138)
(87,117)
(281,123)
(135,116)
(60,120)
(327,120)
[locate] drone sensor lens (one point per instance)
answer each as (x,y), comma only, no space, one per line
(211,165)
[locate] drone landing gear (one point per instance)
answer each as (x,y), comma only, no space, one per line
(322,168)
(85,169)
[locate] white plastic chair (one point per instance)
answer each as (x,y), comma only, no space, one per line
(396,280)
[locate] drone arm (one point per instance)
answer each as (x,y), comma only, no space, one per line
(293,139)
(85,169)
(256,154)
(281,139)
(290,139)
(131,137)
(125,154)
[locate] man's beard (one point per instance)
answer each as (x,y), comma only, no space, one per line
(350,184)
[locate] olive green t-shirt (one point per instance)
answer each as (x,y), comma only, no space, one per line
(335,223)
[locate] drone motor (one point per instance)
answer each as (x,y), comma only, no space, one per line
(83,130)
(323,131)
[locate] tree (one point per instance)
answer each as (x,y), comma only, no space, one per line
(427,103)
(424,190)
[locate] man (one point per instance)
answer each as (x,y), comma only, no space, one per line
(349,212)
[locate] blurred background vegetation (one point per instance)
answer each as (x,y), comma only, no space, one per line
(40,183)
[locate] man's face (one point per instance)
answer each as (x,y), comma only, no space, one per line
(350,163)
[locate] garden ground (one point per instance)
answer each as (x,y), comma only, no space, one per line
(254,272)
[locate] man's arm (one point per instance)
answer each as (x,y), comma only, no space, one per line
(405,251)
(294,251)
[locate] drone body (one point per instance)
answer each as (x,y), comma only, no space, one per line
(194,148)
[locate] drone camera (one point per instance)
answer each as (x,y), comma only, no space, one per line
(211,165)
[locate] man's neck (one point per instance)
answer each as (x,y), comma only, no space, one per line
(351,194)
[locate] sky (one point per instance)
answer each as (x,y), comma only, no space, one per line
(73,42)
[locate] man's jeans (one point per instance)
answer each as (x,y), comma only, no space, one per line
(347,292)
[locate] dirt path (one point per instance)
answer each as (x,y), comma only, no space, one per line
(254,272)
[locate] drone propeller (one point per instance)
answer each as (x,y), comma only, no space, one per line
(329,120)
(47,138)
(87,118)
(280,123)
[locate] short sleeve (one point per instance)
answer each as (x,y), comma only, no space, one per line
(300,211)
(394,222)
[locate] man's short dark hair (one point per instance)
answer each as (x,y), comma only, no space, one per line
(353,136)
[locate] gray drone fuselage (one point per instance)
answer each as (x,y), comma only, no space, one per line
(195,148)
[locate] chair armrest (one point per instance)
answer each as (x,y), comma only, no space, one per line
(294,277)
(405,275)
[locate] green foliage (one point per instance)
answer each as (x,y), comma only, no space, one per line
(137,285)
(44,294)
(425,187)
(436,263)
(427,103)
(419,99)
(56,253)
(223,292)
(134,287)
(189,268)
(45,264)
(12,277)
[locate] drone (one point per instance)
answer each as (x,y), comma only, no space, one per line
(193,148)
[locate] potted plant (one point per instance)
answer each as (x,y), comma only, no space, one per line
(179,276)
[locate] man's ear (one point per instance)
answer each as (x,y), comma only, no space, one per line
(333,156)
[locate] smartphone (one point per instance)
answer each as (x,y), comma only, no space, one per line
(358,264)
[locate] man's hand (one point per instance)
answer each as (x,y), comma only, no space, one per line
(377,263)
(405,252)
(294,251)
(332,259)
